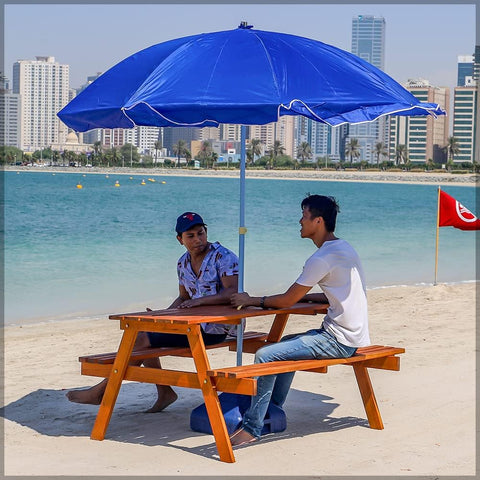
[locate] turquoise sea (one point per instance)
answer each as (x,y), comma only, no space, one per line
(73,253)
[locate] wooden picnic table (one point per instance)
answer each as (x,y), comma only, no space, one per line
(187,322)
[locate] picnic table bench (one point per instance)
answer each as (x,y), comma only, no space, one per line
(116,366)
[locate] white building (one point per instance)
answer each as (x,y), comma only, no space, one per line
(465,122)
(43,85)
(10,105)
(424,136)
(282,131)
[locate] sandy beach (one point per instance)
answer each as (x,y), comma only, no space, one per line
(431,178)
(428,408)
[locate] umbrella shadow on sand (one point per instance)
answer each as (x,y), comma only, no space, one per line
(48,412)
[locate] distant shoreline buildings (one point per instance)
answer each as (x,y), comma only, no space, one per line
(41,88)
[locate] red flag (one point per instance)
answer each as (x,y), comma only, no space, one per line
(453,214)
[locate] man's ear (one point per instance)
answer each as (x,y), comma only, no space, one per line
(179,238)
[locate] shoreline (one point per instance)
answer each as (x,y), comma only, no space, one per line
(60,319)
(427,178)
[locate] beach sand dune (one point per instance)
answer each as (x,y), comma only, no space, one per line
(428,407)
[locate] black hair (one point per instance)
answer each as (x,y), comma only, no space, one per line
(322,206)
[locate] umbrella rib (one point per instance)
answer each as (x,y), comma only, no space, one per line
(269,58)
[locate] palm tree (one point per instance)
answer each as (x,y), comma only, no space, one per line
(277,148)
(271,158)
(158,146)
(55,156)
(304,152)
(254,149)
(179,150)
(205,151)
(401,154)
(97,152)
(452,148)
(352,149)
(214,157)
(380,151)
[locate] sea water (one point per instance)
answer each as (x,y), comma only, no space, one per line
(80,252)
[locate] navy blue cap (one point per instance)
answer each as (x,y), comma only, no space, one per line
(188,220)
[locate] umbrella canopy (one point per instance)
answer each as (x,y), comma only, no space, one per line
(243,76)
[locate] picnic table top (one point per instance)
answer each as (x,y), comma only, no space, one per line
(216,313)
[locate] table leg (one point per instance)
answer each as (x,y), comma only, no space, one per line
(368,397)
(114,383)
(278,326)
(212,403)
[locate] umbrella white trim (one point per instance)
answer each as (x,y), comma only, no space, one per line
(288,106)
(393,112)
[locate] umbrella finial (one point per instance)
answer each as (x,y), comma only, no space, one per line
(245,25)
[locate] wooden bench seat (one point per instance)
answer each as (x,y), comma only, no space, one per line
(153,352)
(374,356)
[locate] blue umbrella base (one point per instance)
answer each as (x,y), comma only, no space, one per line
(233,407)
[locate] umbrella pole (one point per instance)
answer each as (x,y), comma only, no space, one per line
(241,239)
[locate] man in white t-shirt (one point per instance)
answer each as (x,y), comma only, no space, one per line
(335,267)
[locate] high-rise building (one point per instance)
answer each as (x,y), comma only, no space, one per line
(230,131)
(465,121)
(424,136)
(325,141)
(476,79)
(476,64)
(43,85)
(465,70)
(282,131)
(143,138)
(10,105)
(368,43)
(171,136)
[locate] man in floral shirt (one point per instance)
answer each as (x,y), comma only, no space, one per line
(207,275)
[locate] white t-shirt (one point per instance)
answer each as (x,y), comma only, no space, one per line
(336,268)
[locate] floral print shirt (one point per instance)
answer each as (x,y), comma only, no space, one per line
(218,262)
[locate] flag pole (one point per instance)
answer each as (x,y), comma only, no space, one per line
(436,241)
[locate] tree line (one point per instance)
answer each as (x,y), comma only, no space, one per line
(274,157)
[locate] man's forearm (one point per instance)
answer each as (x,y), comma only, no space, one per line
(178,301)
(220,298)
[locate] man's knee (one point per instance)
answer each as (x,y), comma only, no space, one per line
(265,354)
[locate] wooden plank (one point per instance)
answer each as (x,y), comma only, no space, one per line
(368,397)
(243,386)
(272,368)
(175,378)
(278,326)
(212,403)
(113,386)
(216,313)
(384,363)
(153,352)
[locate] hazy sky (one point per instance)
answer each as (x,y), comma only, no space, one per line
(421,40)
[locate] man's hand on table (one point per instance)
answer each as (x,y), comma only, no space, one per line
(240,300)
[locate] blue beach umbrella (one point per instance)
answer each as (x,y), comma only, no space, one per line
(241,76)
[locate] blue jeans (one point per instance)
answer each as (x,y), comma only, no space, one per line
(313,344)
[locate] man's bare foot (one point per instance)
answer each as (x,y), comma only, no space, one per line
(241,437)
(164,400)
(89,396)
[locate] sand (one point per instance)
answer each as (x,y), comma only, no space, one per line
(428,408)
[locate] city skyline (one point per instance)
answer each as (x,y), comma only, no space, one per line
(414,52)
